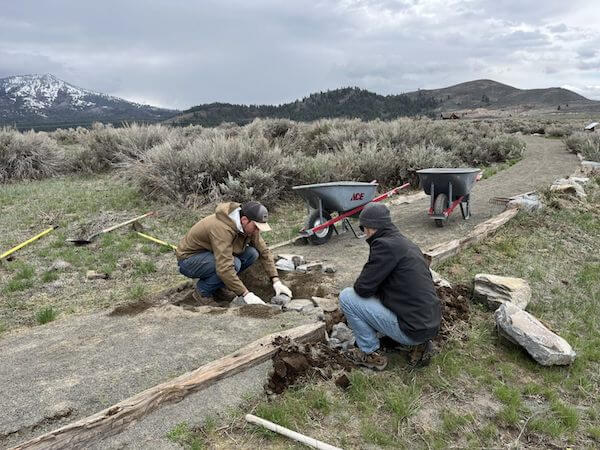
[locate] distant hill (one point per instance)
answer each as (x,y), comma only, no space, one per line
(360,103)
(346,102)
(45,102)
(493,95)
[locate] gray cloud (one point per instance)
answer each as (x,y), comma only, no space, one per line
(178,53)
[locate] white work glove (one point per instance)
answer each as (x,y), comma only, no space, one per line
(253,299)
(281,288)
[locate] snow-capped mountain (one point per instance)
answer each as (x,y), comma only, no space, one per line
(45,100)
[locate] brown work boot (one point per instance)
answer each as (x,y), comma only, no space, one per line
(420,355)
(224,295)
(371,360)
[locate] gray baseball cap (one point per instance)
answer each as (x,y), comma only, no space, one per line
(257,213)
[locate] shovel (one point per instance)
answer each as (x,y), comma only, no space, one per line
(106,230)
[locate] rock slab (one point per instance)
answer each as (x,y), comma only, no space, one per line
(495,290)
(326,304)
(520,327)
(438,280)
(300,305)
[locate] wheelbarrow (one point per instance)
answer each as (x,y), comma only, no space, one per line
(448,188)
(346,198)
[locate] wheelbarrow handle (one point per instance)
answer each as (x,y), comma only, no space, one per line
(355,210)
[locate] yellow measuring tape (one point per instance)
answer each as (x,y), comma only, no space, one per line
(29,241)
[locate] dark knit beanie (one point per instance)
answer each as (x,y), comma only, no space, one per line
(375,215)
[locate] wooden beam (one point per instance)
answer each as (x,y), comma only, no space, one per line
(442,251)
(127,412)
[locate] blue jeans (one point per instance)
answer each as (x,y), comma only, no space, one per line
(366,317)
(202,266)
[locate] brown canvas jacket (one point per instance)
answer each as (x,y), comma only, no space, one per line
(219,234)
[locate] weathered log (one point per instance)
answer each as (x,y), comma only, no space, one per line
(127,412)
(443,251)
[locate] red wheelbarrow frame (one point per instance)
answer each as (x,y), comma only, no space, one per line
(340,217)
(453,205)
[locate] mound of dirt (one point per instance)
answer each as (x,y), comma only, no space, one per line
(293,362)
(303,285)
(455,311)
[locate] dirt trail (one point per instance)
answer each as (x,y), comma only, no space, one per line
(544,161)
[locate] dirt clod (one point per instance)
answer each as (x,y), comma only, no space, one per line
(455,311)
(295,361)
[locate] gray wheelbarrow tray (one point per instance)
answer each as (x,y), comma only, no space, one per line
(347,198)
(448,188)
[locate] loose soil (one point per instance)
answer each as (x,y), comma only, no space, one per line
(295,361)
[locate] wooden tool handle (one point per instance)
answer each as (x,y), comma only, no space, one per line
(127,222)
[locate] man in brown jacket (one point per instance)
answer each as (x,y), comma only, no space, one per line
(224,244)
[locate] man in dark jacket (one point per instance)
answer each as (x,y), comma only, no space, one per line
(393,295)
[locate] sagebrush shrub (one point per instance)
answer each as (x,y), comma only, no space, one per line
(28,156)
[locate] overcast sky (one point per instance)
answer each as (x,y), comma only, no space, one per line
(176,53)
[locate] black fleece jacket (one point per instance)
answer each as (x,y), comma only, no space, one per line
(398,275)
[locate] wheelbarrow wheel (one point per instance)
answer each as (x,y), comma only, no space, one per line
(439,206)
(314,220)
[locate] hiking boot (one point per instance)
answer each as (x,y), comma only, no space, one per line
(420,355)
(390,345)
(224,295)
(371,360)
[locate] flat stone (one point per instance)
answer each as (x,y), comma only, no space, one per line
(59,264)
(527,203)
(494,290)
(568,186)
(310,267)
(280,300)
(326,304)
(298,304)
(329,269)
(520,327)
(341,337)
(296,259)
(590,167)
(93,275)
(284,264)
(438,280)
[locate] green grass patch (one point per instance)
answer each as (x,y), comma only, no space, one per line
(141,268)
(137,292)
(49,276)
(184,436)
(45,315)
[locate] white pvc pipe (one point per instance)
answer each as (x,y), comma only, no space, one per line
(311,442)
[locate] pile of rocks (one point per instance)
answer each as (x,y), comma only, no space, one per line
(297,263)
(509,297)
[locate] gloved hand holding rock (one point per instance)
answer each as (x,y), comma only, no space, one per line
(281,288)
(253,299)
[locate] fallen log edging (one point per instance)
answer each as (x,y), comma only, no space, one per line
(438,253)
(127,412)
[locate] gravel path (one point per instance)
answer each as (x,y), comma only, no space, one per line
(544,161)
(58,373)
(66,370)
